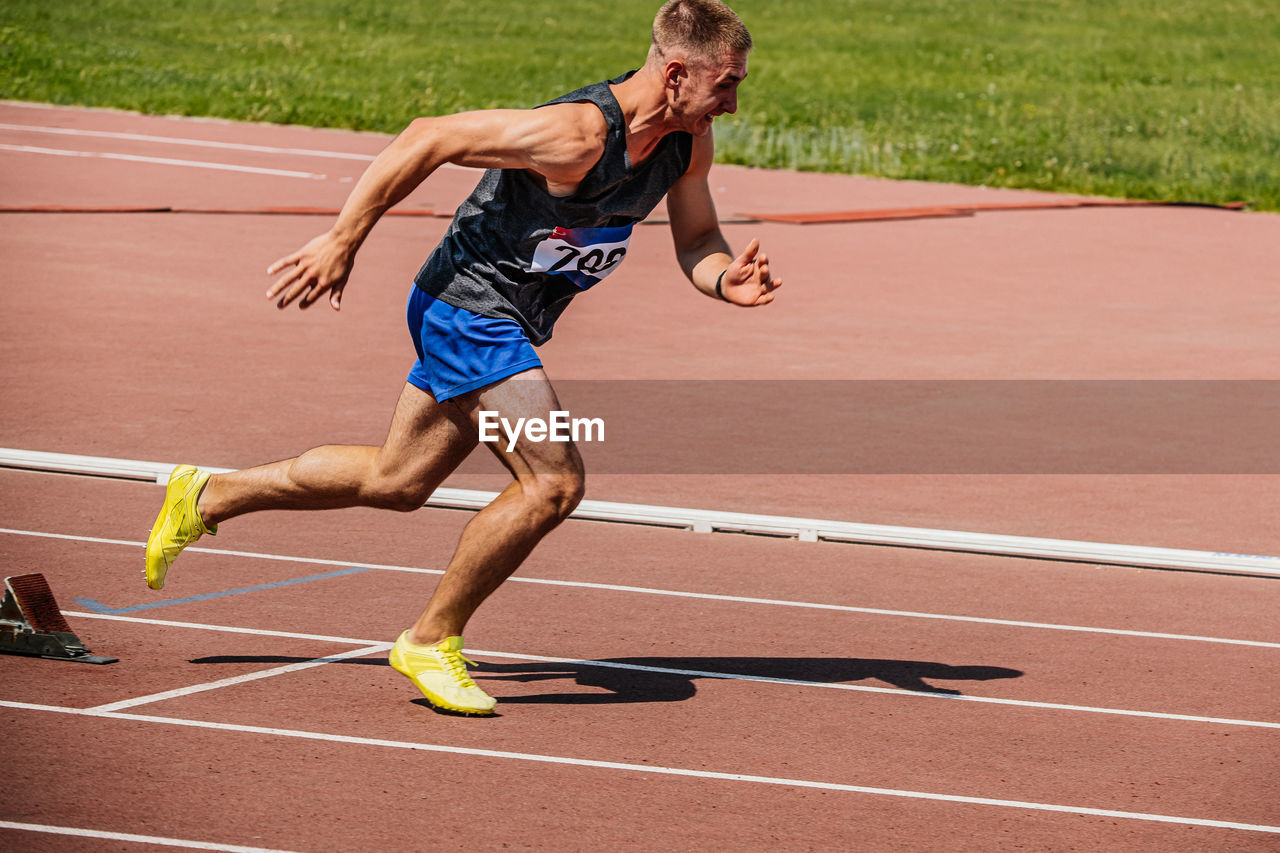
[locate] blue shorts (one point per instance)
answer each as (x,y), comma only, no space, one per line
(459,351)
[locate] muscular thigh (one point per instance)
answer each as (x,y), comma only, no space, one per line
(524,395)
(427,440)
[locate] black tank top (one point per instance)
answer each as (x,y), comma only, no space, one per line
(515,251)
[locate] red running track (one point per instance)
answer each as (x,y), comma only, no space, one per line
(880,698)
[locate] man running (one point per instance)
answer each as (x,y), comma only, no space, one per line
(552,216)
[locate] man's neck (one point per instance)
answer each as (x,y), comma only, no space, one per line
(643,99)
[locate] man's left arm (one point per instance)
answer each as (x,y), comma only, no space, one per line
(701,248)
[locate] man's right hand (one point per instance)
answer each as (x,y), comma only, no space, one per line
(322,266)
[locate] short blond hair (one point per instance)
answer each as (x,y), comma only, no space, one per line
(700,28)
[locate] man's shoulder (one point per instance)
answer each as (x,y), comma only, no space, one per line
(581,116)
(568,139)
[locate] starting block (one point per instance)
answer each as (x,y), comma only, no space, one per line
(32,624)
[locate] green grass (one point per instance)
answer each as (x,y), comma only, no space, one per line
(1161,99)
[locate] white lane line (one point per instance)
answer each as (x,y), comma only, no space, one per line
(242,679)
(138,839)
(651,769)
(204,143)
(707,596)
(96,540)
(163,161)
(694,673)
(200,626)
(179,140)
(907,614)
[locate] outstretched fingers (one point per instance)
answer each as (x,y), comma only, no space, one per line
(762,269)
(296,285)
(746,260)
(765,290)
(283,283)
(308,274)
(749,281)
(286,261)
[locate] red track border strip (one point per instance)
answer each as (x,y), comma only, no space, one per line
(952,211)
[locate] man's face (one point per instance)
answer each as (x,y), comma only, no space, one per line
(709,90)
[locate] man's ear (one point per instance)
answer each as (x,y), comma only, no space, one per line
(674,73)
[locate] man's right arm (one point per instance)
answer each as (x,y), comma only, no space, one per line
(561,142)
(701,249)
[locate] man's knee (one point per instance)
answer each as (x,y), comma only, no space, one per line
(397,495)
(559,492)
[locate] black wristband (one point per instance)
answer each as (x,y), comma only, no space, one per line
(719,282)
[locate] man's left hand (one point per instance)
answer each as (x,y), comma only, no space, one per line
(747,281)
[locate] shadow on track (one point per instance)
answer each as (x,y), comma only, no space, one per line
(672,679)
(665,679)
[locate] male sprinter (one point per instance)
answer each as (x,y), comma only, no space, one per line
(552,216)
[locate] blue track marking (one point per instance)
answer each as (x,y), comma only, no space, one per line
(98,607)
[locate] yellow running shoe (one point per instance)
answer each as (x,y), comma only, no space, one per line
(440,671)
(178,525)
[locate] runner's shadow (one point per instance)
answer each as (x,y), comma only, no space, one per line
(659,679)
(655,679)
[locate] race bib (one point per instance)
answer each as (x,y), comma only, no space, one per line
(584,255)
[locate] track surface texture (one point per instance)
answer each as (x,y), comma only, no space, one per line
(658,689)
